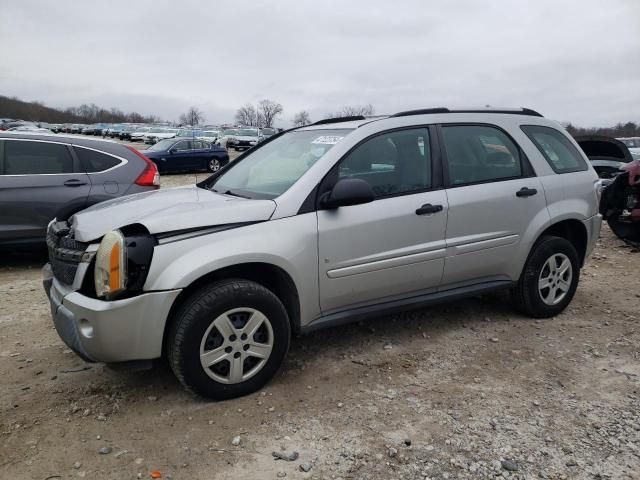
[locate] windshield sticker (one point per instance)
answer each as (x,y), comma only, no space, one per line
(327,140)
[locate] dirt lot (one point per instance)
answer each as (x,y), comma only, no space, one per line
(464,390)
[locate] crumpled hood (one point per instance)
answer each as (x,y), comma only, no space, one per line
(168,209)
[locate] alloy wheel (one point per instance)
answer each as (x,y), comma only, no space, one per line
(237,345)
(214,164)
(555,278)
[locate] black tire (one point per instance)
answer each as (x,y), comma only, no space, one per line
(195,316)
(526,295)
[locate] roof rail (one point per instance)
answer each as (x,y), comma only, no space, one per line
(426,111)
(339,120)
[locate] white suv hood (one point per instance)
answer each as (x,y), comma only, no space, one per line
(167,210)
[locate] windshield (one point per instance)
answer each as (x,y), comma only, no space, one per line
(270,170)
(162,145)
(247,133)
(230,132)
(267,131)
(188,133)
(209,134)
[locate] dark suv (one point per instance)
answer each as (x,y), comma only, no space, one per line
(44,177)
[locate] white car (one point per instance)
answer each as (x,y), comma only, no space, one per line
(633,144)
(139,134)
(158,133)
(209,136)
(227,138)
(246,138)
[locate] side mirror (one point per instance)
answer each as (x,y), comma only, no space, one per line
(348,191)
(172,151)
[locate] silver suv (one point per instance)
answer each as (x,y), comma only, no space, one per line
(321,225)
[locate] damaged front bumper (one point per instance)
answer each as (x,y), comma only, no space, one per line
(109,331)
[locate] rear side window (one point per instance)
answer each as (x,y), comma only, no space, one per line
(556,148)
(479,153)
(183,146)
(35,158)
(93,161)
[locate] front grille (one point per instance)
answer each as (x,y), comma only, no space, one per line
(65,253)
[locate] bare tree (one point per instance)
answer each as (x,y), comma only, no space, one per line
(247,116)
(301,119)
(353,110)
(193,116)
(268,110)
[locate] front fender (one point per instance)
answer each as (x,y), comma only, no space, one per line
(288,243)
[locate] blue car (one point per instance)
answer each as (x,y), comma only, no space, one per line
(187,155)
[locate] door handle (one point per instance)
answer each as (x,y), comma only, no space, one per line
(427,208)
(74,182)
(526,192)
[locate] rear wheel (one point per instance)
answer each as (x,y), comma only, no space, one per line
(228,339)
(549,280)
(214,164)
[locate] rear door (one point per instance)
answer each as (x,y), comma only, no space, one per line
(493,197)
(391,247)
(39,180)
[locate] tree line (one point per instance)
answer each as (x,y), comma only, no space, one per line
(266,111)
(628,129)
(12,107)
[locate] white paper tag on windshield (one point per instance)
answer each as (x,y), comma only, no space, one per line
(327,140)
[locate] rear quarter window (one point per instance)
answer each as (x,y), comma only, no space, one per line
(93,161)
(561,155)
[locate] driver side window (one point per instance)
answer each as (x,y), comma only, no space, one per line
(392,163)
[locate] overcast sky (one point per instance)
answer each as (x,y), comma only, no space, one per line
(573,60)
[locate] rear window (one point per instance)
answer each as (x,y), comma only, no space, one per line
(35,158)
(561,155)
(93,161)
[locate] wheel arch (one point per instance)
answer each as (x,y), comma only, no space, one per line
(270,276)
(570,229)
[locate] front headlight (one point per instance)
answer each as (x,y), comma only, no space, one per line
(111,265)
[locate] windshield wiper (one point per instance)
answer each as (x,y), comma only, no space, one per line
(235,194)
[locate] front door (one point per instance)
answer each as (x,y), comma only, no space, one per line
(38,181)
(394,246)
(494,198)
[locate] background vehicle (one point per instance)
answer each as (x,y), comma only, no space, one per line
(245,138)
(187,155)
(330,223)
(227,138)
(633,144)
(607,155)
(29,128)
(155,136)
(52,176)
(125,133)
(209,135)
(620,205)
(266,133)
(138,134)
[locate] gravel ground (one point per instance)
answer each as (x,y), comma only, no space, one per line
(464,390)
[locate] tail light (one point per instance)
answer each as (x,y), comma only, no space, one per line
(149,176)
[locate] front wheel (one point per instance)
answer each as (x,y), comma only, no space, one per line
(228,339)
(549,279)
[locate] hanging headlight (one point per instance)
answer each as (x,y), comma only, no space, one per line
(111,265)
